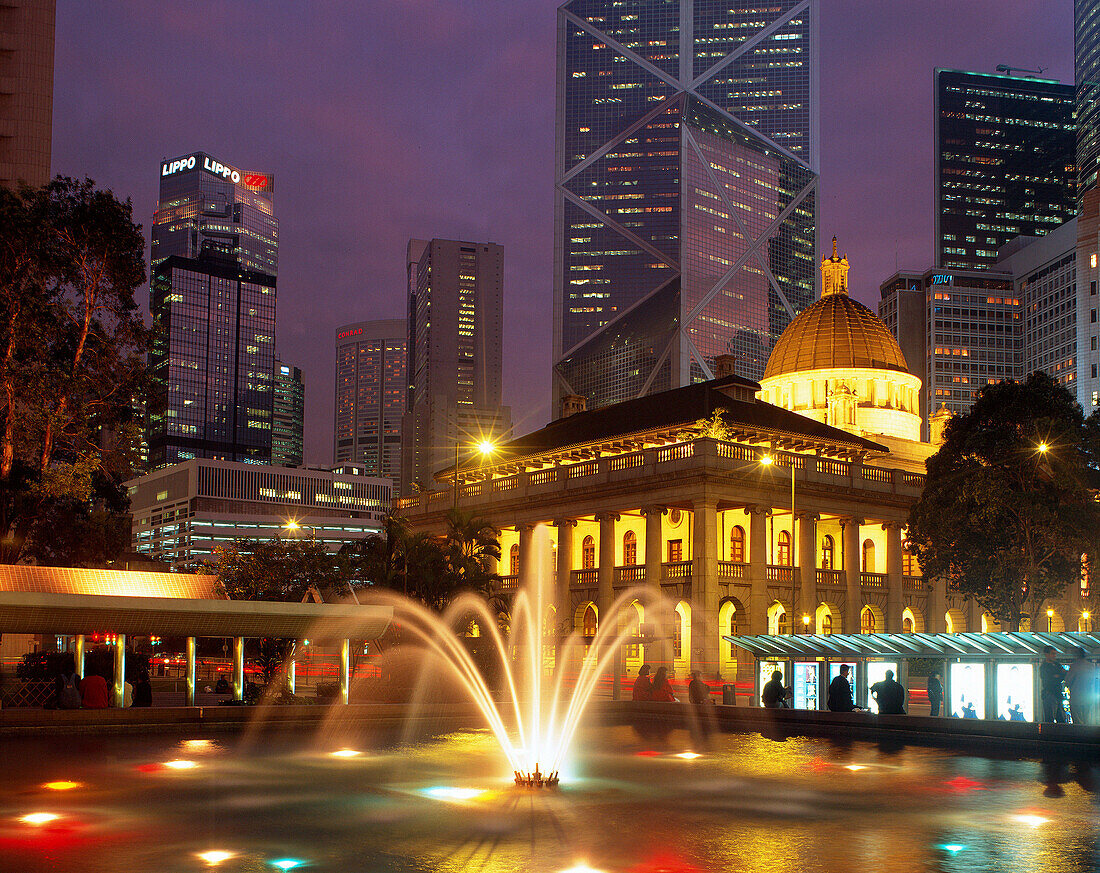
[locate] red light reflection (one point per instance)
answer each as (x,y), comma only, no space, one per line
(665,862)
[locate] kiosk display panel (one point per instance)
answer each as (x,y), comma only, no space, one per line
(967,690)
(807,685)
(1015,692)
(766,669)
(876,672)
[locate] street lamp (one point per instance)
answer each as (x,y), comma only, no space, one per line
(1085,622)
(485,447)
(1050,621)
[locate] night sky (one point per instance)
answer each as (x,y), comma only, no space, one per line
(391,119)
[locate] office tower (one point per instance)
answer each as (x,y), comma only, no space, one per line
(1086,70)
(1005,163)
(205,204)
(686,178)
(26,90)
(1044,271)
(212,297)
(288,416)
(972,325)
(370,395)
(212,361)
(454,333)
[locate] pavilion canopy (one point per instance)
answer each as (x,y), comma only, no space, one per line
(1019,645)
(74,614)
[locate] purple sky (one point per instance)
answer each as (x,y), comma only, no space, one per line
(418,118)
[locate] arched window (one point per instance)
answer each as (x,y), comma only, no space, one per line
(630,549)
(827,623)
(737,545)
(827,552)
(784,626)
(783,558)
(866,621)
(588,624)
(909,566)
(588,553)
(677,635)
(868,556)
(513,559)
(907,625)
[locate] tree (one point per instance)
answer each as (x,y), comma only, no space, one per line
(276,569)
(73,352)
(1008,509)
(473,548)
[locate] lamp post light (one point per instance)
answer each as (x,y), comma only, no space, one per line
(768,461)
(485,447)
(1085,621)
(1050,621)
(805,624)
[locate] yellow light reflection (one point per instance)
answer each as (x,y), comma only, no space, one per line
(1031,820)
(215,857)
(181,765)
(688,756)
(345,753)
(855,767)
(582,868)
(447,793)
(62,786)
(197,744)
(38,818)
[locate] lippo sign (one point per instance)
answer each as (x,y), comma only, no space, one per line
(200,161)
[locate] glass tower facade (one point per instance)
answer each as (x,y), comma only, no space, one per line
(288,416)
(1005,163)
(1086,67)
(686,181)
(205,204)
(370,395)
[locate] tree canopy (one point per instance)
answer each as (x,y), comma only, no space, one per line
(73,356)
(1009,507)
(279,569)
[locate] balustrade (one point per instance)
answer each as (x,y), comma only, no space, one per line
(830,577)
(630,574)
(676,570)
(732,570)
(584,577)
(872,580)
(780,573)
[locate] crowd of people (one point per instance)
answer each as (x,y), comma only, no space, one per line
(93,691)
(658,687)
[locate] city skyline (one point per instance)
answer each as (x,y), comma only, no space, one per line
(444,161)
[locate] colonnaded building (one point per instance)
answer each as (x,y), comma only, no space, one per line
(693,491)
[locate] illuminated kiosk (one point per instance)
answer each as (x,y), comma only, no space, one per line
(985,675)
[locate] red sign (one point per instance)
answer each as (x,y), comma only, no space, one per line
(254,180)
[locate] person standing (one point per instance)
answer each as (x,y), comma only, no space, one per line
(662,688)
(66,685)
(773,693)
(889,695)
(1051,681)
(840,692)
(1081,679)
(643,685)
(94,693)
(935,693)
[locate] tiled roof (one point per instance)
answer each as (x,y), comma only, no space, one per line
(135,583)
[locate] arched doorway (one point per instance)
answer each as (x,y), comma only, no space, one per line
(737,544)
(681,638)
(827,553)
(732,621)
(783,552)
(588,553)
(827,618)
(870,620)
(630,549)
(778,619)
(869,556)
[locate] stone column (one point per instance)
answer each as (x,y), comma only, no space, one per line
(656,613)
(895,595)
(807,573)
(704,654)
(526,555)
(758,569)
(853,590)
(974,617)
(605,592)
(120,670)
(564,571)
(936,620)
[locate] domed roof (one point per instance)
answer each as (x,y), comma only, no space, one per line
(835,332)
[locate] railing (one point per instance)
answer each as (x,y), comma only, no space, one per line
(732,570)
(470,490)
(834,468)
(630,574)
(830,577)
(542,477)
(676,452)
(876,474)
(676,570)
(509,583)
(912,583)
(406,502)
(584,577)
(436,496)
(872,580)
(624,462)
(736,452)
(780,573)
(586,468)
(912,480)
(506,484)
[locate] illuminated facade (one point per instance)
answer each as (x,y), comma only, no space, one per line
(26,90)
(371,386)
(212,362)
(1086,68)
(455,330)
(183,512)
(288,416)
(207,205)
(1005,163)
(686,177)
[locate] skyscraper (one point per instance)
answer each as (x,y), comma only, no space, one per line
(212,297)
(1005,163)
(1086,69)
(454,330)
(288,416)
(26,90)
(371,388)
(686,178)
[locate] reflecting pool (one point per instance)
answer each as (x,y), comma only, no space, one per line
(630,802)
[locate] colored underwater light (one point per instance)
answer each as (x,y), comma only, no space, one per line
(287,863)
(345,753)
(180,765)
(582,868)
(197,744)
(1030,819)
(855,767)
(61,786)
(215,857)
(39,818)
(688,756)
(953,848)
(442,792)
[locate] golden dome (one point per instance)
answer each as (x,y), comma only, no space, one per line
(835,332)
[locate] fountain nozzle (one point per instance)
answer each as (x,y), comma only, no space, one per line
(535,779)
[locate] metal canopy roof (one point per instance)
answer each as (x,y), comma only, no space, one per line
(1001,646)
(37,613)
